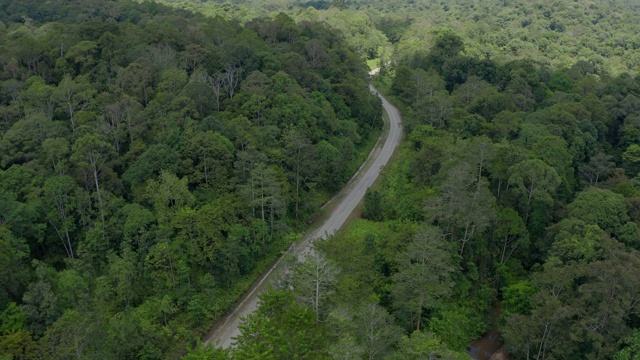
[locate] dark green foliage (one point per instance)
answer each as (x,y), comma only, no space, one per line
(151,160)
(506,175)
(373,206)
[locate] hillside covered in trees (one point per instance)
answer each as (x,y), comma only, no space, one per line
(533,186)
(153,161)
(517,185)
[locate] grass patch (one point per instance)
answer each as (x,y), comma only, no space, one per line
(373,63)
(383,84)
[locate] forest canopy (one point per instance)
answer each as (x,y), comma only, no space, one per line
(153,161)
(512,205)
(518,186)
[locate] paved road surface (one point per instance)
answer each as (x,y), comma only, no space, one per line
(224,333)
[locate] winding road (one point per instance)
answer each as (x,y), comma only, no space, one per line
(227,329)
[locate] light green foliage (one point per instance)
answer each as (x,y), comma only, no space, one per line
(20,142)
(75,94)
(542,32)
(577,240)
(517,297)
(375,330)
(92,157)
(70,336)
(12,319)
(600,207)
(553,151)
(168,195)
(72,288)
(457,325)
(18,345)
(364,254)
(138,226)
(631,348)
(40,96)
(468,313)
(607,211)
(425,345)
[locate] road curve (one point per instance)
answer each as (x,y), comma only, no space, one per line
(224,333)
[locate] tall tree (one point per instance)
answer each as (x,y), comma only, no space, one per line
(465,206)
(56,153)
(375,330)
(423,345)
(75,95)
(314,281)
(40,303)
(535,181)
(59,198)
(212,155)
(598,168)
(510,233)
(266,192)
(578,303)
(92,158)
(300,160)
(168,195)
(424,279)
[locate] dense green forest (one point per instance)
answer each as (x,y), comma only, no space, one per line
(153,161)
(529,176)
(517,185)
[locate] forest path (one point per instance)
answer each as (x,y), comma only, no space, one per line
(224,332)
